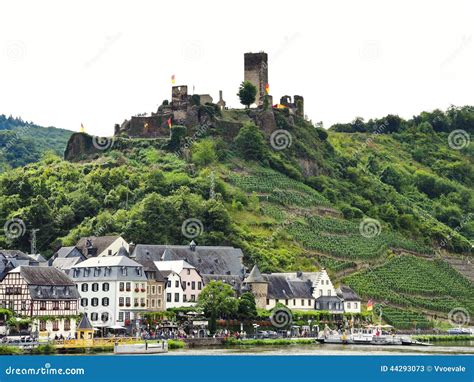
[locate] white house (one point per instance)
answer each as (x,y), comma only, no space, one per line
(174,293)
(97,246)
(112,289)
(352,302)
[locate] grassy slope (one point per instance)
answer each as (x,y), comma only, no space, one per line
(280,222)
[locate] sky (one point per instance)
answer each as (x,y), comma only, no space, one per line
(100,62)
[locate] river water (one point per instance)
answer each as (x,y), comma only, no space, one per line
(464,347)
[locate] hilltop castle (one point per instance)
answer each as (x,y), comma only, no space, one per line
(190,110)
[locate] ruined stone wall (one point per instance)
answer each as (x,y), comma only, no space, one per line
(155,126)
(256,71)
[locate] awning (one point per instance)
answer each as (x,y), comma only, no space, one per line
(116,327)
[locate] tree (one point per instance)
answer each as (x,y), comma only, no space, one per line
(204,153)
(247,306)
(247,93)
(217,300)
(250,142)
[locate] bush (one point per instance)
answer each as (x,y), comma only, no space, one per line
(9,350)
(175,344)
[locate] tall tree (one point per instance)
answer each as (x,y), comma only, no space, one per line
(247,93)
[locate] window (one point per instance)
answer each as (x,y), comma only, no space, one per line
(83,301)
(23,305)
(168,297)
(268,301)
(168,284)
(185,298)
(124,271)
(152,302)
(189,271)
(159,289)
(127,301)
(105,317)
(286,302)
(142,302)
(84,287)
(317,305)
(153,290)
(67,305)
(76,272)
(176,284)
(135,301)
(127,316)
(158,303)
(330,306)
(143,287)
(96,271)
(199,285)
(55,305)
(95,287)
(120,317)
(302,302)
(109,252)
(121,301)
(95,301)
(86,272)
(320,292)
(176,297)
(94,316)
(55,325)
(106,271)
(193,297)
(193,285)
(309,302)
(128,287)
(329,292)
(42,326)
(105,301)
(277,301)
(122,287)
(355,305)
(67,324)
(139,271)
(43,305)
(105,287)
(348,305)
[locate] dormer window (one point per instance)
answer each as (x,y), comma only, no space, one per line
(53,291)
(139,271)
(76,272)
(86,272)
(96,271)
(124,271)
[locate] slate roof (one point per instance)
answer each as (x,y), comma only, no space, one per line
(64,251)
(66,263)
(347,294)
(150,268)
(38,257)
(100,243)
(281,287)
(255,276)
(47,283)
(85,324)
(207,260)
(107,261)
(234,281)
(173,265)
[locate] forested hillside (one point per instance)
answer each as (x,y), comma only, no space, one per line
(381,204)
(24,142)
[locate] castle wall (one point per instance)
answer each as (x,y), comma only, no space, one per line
(256,71)
(155,126)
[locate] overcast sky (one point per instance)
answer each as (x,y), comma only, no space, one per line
(99,62)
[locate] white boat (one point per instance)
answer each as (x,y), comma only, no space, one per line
(143,348)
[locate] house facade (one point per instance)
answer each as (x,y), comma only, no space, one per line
(191,280)
(112,289)
(174,293)
(44,294)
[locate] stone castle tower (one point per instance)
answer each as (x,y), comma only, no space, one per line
(258,286)
(256,71)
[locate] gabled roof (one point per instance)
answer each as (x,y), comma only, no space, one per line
(281,287)
(347,294)
(206,259)
(64,251)
(255,276)
(150,267)
(66,263)
(173,265)
(108,261)
(100,243)
(38,257)
(47,276)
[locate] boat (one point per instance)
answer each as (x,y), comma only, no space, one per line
(142,348)
(369,335)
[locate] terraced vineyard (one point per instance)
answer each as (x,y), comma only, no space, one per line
(403,319)
(342,238)
(277,188)
(414,282)
(334,265)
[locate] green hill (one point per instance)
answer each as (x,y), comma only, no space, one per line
(381,210)
(22,142)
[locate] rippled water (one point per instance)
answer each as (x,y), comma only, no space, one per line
(465,347)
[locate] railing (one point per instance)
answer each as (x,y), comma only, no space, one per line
(96,342)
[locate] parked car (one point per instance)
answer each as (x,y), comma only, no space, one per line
(459,331)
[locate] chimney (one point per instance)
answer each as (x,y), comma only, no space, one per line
(192,246)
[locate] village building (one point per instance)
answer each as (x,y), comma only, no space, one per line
(174,291)
(12,258)
(155,289)
(44,294)
(352,302)
(96,246)
(190,279)
(112,289)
